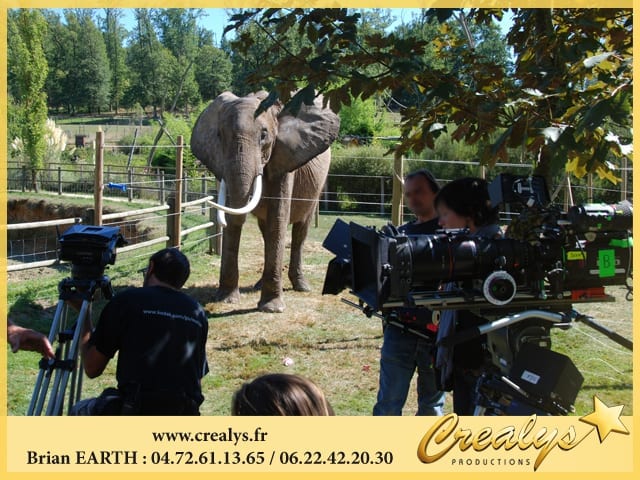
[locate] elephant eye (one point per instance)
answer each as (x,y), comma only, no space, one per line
(264,135)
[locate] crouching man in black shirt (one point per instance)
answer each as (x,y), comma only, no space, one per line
(160,334)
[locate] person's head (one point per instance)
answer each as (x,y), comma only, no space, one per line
(465,203)
(169,266)
(280,394)
(420,189)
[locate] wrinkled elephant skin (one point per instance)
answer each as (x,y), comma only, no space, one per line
(292,153)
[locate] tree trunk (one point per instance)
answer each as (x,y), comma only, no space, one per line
(34,179)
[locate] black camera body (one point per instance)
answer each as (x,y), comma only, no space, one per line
(90,249)
(545,257)
(523,284)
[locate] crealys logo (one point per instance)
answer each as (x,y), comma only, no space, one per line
(448,437)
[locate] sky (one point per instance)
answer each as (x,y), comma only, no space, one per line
(215,19)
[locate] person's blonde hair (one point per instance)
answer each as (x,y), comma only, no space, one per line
(280,394)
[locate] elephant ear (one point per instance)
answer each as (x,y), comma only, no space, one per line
(205,141)
(302,137)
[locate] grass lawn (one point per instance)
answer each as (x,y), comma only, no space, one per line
(333,344)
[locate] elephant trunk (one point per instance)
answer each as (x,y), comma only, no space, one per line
(222,208)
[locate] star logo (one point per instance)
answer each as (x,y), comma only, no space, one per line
(605,419)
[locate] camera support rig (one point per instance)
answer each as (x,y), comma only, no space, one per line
(55,374)
(521,286)
(90,249)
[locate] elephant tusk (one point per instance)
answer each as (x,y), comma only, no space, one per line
(253,203)
(222,200)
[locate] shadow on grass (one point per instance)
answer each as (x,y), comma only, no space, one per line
(205,295)
(345,343)
(27,313)
(609,386)
(239,311)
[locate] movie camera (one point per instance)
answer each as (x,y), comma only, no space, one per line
(89,249)
(523,285)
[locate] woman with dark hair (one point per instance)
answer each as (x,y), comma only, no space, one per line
(280,394)
(463,204)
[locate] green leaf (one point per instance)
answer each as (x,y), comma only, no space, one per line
(595,116)
(271,99)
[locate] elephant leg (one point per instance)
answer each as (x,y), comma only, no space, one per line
(228,291)
(262,224)
(298,236)
(278,210)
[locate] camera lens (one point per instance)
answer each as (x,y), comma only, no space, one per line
(499,288)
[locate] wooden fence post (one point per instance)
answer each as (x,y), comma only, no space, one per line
(98,181)
(177,210)
(396,198)
(59,180)
(161,187)
(171,215)
(24,178)
(381,195)
(130,182)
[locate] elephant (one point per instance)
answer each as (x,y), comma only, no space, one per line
(281,156)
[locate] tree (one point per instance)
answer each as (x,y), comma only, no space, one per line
(58,48)
(147,62)
(28,66)
(427,30)
(89,77)
(179,34)
(212,72)
(567,103)
(114,35)
(266,44)
(576,86)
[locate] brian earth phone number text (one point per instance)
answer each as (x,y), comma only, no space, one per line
(273,457)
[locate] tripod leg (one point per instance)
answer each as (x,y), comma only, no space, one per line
(63,364)
(44,375)
(75,390)
(479,411)
(71,366)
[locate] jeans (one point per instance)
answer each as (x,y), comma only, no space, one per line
(403,353)
(111,402)
(85,407)
(464,391)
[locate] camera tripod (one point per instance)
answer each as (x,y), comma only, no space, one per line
(65,370)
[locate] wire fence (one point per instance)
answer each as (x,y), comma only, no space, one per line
(342,193)
(345,194)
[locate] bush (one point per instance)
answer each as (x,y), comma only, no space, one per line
(355,178)
(358,118)
(356,171)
